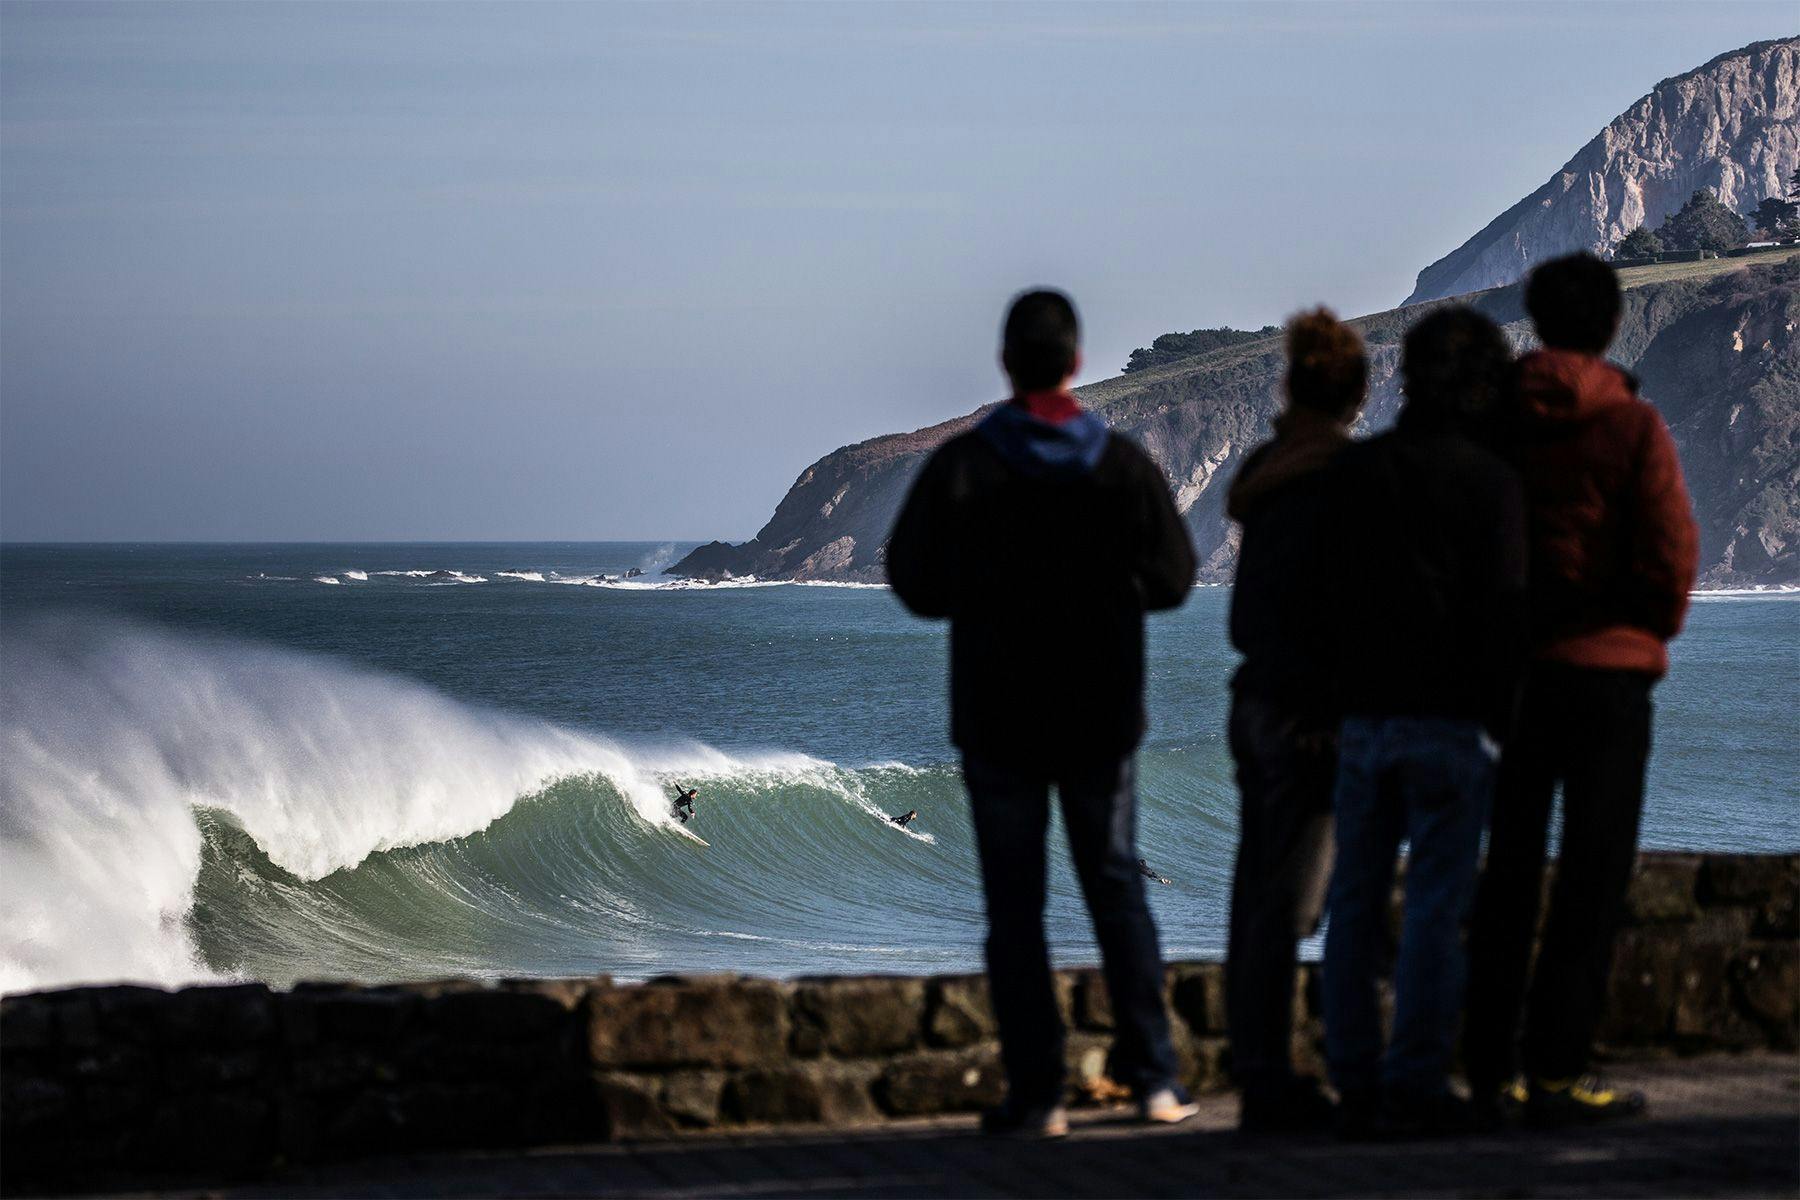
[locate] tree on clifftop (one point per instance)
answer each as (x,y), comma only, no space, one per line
(1639,243)
(1703,224)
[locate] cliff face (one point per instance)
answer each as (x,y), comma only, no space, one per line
(1732,125)
(1717,350)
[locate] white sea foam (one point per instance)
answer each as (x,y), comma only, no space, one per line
(327,579)
(526,576)
(359,576)
(1770,591)
(112,734)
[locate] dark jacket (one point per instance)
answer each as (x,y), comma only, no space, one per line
(1613,541)
(1281,498)
(1044,544)
(1430,576)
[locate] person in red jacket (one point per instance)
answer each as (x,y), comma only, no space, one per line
(1613,551)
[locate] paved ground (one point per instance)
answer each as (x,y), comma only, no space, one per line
(1721,1127)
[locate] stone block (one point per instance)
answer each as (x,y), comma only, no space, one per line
(127,1013)
(803,1093)
(1768,980)
(959,1012)
(27,1023)
(225,1131)
(1197,995)
(195,1071)
(630,1106)
(230,1016)
(510,1015)
(936,1081)
(693,1097)
(857,1018)
(1093,1004)
(1641,992)
(1706,1014)
(348,1014)
(687,1022)
(1747,879)
(1664,890)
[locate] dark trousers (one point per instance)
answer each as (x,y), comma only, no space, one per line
(1285,768)
(1011,811)
(1590,731)
(1428,781)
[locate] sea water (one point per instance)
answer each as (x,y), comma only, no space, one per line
(389,761)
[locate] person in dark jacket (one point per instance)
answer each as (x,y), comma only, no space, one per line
(1044,538)
(1284,714)
(1431,618)
(683,810)
(1613,553)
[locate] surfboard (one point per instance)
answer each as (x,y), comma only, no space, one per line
(692,837)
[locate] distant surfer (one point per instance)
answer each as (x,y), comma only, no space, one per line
(1150,873)
(684,804)
(906,818)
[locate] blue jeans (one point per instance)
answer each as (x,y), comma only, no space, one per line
(1427,780)
(1011,812)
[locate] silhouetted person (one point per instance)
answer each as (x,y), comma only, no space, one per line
(684,804)
(1613,554)
(1284,713)
(1431,620)
(1044,538)
(906,818)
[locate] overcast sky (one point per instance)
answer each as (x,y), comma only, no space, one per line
(623,271)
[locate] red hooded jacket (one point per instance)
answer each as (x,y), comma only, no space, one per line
(1614,546)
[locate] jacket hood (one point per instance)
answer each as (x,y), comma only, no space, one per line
(1041,449)
(1560,386)
(1304,442)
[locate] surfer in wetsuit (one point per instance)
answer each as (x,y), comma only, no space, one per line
(905,818)
(1150,873)
(684,804)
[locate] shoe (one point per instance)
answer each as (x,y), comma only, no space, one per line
(1586,1100)
(1497,1108)
(1034,1122)
(1166,1106)
(1297,1105)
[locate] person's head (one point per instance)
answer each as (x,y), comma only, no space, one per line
(1040,347)
(1455,368)
(1327,372)
(1574,303)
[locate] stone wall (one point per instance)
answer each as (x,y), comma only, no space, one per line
(238,1079)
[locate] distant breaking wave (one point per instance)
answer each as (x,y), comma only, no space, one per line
(176,807)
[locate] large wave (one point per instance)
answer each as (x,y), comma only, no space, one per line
(174,806)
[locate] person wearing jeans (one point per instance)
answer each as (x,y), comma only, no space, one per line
(1430,609)
(1614,549)
(1011,813)
(1426,781)
(1044,538)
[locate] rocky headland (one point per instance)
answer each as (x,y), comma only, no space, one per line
(1714,343)
(1731,125)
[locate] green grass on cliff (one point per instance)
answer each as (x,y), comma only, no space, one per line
(1631,277)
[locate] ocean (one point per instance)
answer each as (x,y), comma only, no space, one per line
(373,762)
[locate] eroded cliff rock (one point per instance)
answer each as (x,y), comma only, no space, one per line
(1732,125)
(1718,354)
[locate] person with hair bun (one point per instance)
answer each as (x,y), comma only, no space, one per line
(1284,714)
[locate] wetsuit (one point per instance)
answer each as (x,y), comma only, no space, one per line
(904,819)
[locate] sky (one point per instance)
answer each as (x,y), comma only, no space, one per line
(620,271)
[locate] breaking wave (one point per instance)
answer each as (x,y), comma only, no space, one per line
(175,807)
